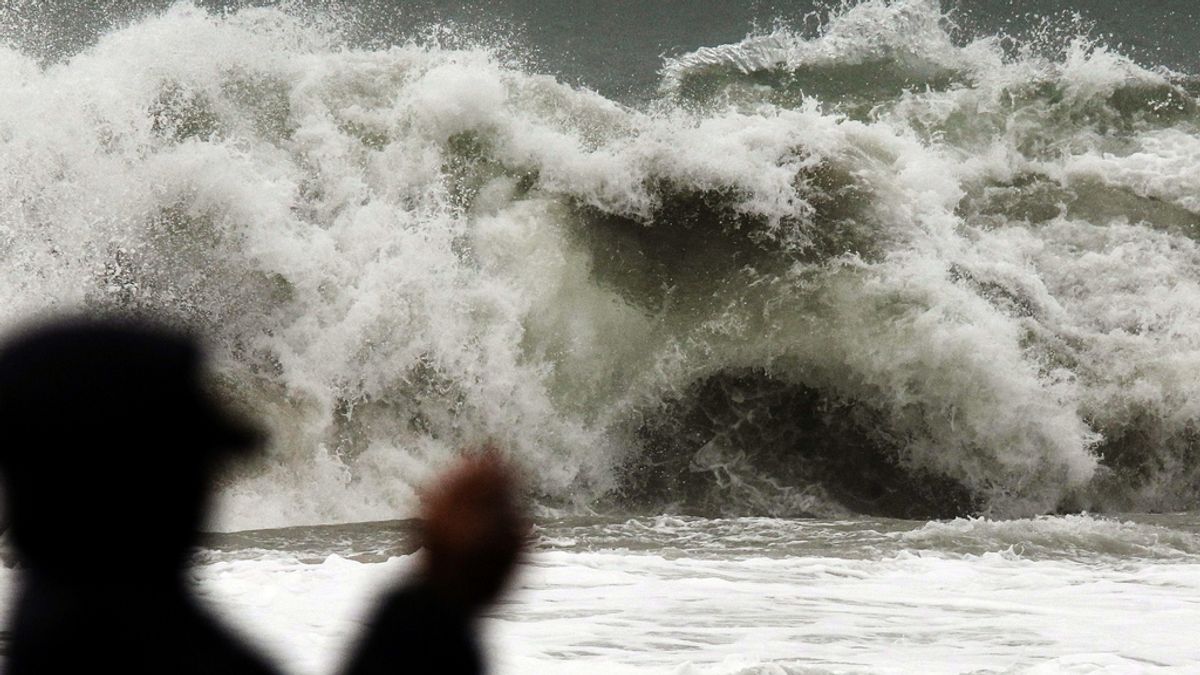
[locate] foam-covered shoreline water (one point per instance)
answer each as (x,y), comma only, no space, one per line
(760,595)
(685,595)
(614,613)
(965,284)
(1105,540)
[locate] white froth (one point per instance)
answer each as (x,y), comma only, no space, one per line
(606,612)
(386,247)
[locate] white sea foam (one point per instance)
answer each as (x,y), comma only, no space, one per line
(907,32)
(625,612)
(401,251)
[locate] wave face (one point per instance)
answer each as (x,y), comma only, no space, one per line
(871,269)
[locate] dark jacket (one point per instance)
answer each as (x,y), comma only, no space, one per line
(415,632)
(122,628)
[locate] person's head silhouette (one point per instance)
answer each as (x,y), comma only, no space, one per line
(108,440)
(108,443)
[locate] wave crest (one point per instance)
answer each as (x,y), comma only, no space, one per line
(973,298)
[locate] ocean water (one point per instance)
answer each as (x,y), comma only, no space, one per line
(839,337)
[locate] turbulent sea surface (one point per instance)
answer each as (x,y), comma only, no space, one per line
(819,330)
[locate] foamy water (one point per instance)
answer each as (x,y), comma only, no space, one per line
(871,267)
(765,596)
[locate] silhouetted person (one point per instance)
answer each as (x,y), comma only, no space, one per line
(472,532)
(108,445)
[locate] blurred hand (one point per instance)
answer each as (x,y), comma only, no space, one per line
(473,530)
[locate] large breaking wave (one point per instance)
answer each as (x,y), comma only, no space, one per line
(872,269)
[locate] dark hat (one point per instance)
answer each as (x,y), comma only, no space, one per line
(108,436)
(121,383)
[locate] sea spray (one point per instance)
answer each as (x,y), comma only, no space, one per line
(964,285)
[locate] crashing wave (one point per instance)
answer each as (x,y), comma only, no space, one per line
(878,48)
(976,299)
